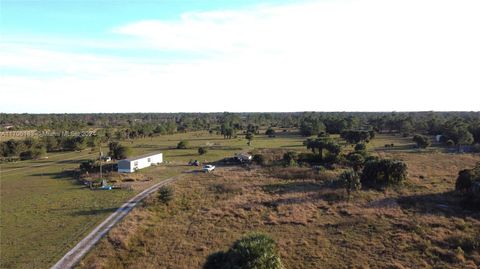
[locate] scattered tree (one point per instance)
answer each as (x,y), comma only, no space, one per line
(350,181)
(383,172)
(118,151)
(360,147)
(321,144)
(468,184)
(311,126)
(259,159)
(356,160)
(290,158)
(249,137)
(182,144)
(356,136)
(202,150)
(421,140)
(270,132)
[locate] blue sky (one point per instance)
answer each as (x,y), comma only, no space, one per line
(168,56)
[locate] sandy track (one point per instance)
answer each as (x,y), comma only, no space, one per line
(74,256)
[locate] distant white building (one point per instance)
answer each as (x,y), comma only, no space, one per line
(133,164)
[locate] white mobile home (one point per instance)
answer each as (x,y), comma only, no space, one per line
(133,164)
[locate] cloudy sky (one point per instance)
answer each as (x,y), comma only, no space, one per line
(181,56)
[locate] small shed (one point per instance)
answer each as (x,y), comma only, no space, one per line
(133,164)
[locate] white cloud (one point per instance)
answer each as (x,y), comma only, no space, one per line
(342,55)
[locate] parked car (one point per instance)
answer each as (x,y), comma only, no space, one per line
(194,163)
(208,168)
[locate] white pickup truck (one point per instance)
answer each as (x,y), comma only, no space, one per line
(208,168)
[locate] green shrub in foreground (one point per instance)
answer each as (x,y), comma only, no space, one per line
(256,250)
(165,194)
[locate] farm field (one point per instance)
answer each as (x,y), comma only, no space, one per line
(417,225)
(44,212)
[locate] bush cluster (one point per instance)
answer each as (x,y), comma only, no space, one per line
(379,173)
(182,144)
(256,250)
(118,151)
(165,194)
(202,150)
(259,159)
(421,140)
(468,184)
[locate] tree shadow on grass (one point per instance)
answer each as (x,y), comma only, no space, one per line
(155,147)
(182,155)
(407,147)
(94,211)
(67,174)
(73,161)
(448,204)
(292,146)
(291,187)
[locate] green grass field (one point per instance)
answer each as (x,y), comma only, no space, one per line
(44,212)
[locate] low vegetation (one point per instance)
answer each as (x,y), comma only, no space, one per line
(182,144)
(165,194)
(323,190)
(308,214)
(253,251)
(468,185)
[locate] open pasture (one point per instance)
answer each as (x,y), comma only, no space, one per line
(44,211)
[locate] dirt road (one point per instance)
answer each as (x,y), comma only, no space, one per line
(76,254)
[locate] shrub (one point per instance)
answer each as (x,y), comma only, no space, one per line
(360,147)
(35,153)
(468,183)
(310,158)
(467,243)
(182,144)
(257,251)
(118,151)
(224,188)
(259,159)
(464,180)
(421,140)
(356,160)
(26,155)
(476,148)
(290,158)
(254,251)
(202,150)
(87,166)
(350,181)
(383,172)
(270,132)
(165,194)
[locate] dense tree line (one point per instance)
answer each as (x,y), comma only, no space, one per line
(34,148)
(455,128)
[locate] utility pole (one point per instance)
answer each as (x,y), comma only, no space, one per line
(101,156)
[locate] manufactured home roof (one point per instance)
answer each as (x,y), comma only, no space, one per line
(141,157)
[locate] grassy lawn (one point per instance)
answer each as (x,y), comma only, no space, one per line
(44,212)
(417,225)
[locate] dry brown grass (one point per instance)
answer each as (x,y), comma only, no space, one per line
(310,218)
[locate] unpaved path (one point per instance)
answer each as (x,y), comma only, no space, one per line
(74,256)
